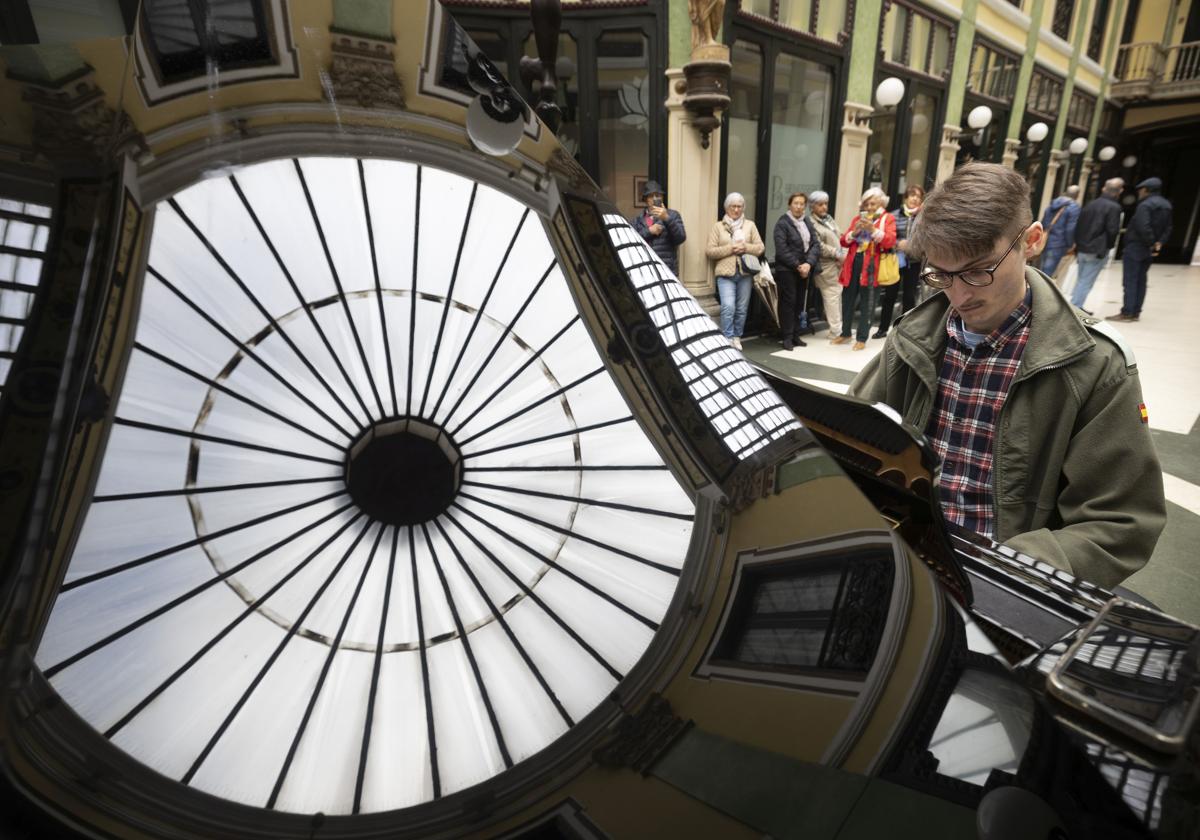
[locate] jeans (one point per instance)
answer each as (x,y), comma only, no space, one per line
(1134,279)
(905,289)
(1050,259)
(734,293)
(1089,270)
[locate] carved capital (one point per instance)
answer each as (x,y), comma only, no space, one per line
(641,739)
(363,71)
(950,138)
(857,119)
(74,125)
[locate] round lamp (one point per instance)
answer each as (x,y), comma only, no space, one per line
(1130,161)
(889,92)
(980,117)
(1078,146)
(1107,153)
(1037,132)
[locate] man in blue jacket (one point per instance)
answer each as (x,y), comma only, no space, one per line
(1095,234)
(1149,228)
(660,227)
(1059,223)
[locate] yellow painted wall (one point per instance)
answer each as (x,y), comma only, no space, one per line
(1150,114)
(1000,29)
(1151,20)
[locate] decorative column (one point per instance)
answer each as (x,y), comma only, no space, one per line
(852,162)
(1012,150)
(1058,159)
(948,153)
(1085,174)
(694,178)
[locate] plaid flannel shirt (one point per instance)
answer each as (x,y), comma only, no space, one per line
(972,388)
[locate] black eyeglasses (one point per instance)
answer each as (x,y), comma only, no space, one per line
(972,276)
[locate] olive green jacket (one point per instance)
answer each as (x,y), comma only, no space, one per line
(1075,478)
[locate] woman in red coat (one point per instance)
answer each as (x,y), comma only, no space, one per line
(872,232)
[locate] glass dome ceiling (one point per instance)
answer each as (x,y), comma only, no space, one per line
(373,523)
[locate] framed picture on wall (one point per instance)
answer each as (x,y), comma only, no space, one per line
(639,184)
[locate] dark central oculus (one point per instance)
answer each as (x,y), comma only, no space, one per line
(403,472)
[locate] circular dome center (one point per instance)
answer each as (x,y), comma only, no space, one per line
(403,472)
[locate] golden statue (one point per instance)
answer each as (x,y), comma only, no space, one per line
(706,21)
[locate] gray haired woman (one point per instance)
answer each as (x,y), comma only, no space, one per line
(832,255)
(730,242)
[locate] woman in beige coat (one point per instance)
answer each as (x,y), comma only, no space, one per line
(730,241)
(832,255)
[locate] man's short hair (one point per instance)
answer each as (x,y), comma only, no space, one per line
(965,215)
(1114,185)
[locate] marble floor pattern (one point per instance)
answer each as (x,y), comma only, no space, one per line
(1169,367)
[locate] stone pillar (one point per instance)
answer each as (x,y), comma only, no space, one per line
(852,164)
(1057,160)
(1012,146)
(1085,174)
(693,181)
(948,153)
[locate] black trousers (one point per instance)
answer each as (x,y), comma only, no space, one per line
(792,289)
(862,296)
(905,289)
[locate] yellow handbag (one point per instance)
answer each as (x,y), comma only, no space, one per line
(889,269)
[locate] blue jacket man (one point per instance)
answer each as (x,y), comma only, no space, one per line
(1059,220)
(1149,228)
(660,227)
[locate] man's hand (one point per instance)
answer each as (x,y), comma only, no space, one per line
(1157,248)
(655,229)
(804,269)
(1071,251)
(657,212)
(877,236)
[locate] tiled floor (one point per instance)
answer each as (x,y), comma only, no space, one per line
(1164,341)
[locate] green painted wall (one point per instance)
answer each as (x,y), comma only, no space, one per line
(1081,16)
(964,41)
(1116,15)
(863,47)
(1031,42)
(679,34)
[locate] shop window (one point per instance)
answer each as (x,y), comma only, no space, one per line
(831,19)
(744,109)
(993,72)
(915,40)
(1060,23)
(1045,93)
(624,99)
(1096,36)
(1081,110)
(24,232)
(825,19)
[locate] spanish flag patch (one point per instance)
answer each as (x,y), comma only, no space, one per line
(1142,411)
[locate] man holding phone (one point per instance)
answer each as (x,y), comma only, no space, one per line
(661,227)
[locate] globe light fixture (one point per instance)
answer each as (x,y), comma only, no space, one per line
(1037,132)
(1107,153)
(1130,161)
(889,92)
(980,117)
(1078,146)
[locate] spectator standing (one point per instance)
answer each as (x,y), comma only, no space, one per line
(1034,408)
(797,258)
(910,270)
(1149,228)
(872,232)
(1059,222)
(731,241)
(1095,234)
(662,228)
(832,255)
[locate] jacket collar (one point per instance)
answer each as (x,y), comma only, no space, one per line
(1056,334)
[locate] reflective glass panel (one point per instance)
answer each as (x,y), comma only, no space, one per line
(796,13)
(623,82)
(746,95)
(831,19)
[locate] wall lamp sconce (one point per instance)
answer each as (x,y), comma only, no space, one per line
(888,94)
(1078,146)
(1037,132)
(1107,153)
(979,119)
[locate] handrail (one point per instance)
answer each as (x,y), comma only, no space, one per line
(1151,62)
(1182,62)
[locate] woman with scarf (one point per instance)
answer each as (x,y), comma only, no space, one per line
(730,242)
(872,232)
(910,270)
(797,258)
(825,276)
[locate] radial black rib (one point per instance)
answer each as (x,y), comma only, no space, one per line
(225,631)
(577,430)
(412,314)
(225,389)
(437,343)
(466,643)
(387,345)
(429,727)
(262,310)
(498,615)
(499,342)
(247,350)
(275,654)
(573,534)
(325,666)
(221,488)
(337,282)
(685,517)
(479,314)
(554,564)
(186,596)
(513,376)
(532,596)
(552,395)
(148,558)
(257,447)
(375,669)
(571,468)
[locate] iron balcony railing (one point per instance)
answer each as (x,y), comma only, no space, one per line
(1149,69)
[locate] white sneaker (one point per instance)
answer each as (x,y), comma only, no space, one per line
(736,342)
